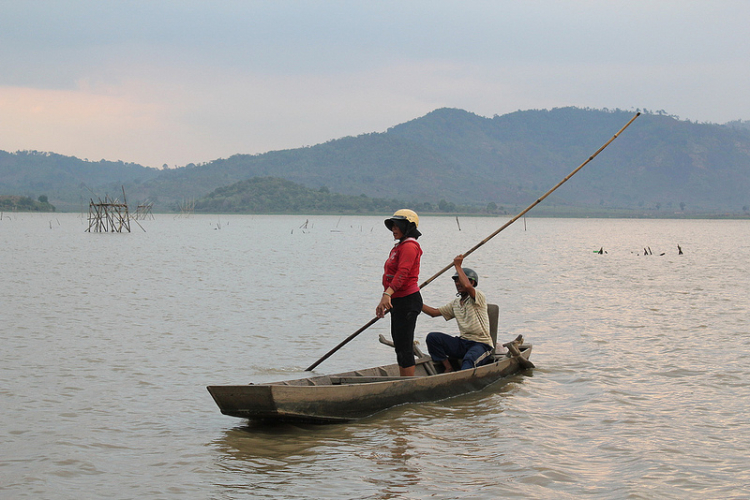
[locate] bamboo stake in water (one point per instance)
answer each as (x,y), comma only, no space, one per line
(488,238)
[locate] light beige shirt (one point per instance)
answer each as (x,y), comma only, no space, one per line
(471,316)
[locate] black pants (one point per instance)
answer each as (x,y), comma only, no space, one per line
(403,322)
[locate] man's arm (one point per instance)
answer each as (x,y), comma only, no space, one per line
(465,282)
(430,311)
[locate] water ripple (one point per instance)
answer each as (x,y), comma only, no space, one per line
(109,342)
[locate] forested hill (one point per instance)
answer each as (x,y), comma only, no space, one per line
(660,164)
(66,181)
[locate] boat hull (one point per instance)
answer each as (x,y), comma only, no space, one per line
(353,395)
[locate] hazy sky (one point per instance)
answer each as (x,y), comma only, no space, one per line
(183,81)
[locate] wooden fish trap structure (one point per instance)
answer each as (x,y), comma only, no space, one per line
(109,216)
(143,211)
(187,207)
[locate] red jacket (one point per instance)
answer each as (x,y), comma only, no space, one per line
(401,270)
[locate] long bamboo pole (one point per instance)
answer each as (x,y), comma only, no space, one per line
(488,238)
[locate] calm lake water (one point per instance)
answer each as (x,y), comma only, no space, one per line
(641,388)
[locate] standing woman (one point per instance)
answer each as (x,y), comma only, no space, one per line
(401,295)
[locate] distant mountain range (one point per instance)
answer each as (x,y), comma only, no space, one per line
(660,164)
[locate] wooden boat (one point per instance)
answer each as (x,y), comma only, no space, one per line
(361,393)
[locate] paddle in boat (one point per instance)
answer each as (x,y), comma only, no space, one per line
(357,394)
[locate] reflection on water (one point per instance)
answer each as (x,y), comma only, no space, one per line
(391,452)
(269,456)
(266,457)
(108,342)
